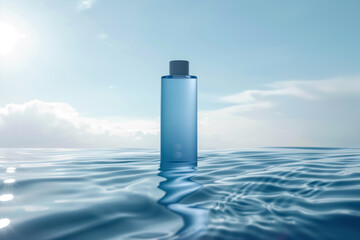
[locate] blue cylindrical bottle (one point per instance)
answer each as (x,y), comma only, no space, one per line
(179,115)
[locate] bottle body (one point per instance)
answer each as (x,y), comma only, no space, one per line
(179,120)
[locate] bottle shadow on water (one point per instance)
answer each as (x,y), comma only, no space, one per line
(178,185)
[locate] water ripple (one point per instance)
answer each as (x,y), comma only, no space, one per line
(269,193)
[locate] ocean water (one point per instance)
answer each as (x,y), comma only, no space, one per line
(261,193)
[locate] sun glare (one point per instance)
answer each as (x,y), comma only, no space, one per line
(9,36)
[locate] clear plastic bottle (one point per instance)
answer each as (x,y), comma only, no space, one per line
(179,116)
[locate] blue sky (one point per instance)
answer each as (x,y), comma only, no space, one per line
(279,72)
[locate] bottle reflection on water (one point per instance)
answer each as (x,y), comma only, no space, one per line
(177,186)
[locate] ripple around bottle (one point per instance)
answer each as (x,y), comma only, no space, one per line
(269,193)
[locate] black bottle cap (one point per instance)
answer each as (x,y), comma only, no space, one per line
(179,67)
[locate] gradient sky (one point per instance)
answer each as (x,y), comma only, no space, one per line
(271,73)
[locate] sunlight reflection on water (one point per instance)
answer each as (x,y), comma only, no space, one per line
(10,180)
(6,197)
(10,169)
(4,222)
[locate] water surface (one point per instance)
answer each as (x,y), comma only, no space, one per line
(262,193)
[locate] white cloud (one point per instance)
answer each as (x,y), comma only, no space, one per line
(307,90)
(287,113)
(343,85)
(44,124)
(240,108)
(252,95)
(84,4)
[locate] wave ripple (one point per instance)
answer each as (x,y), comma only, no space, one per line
(263,193)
